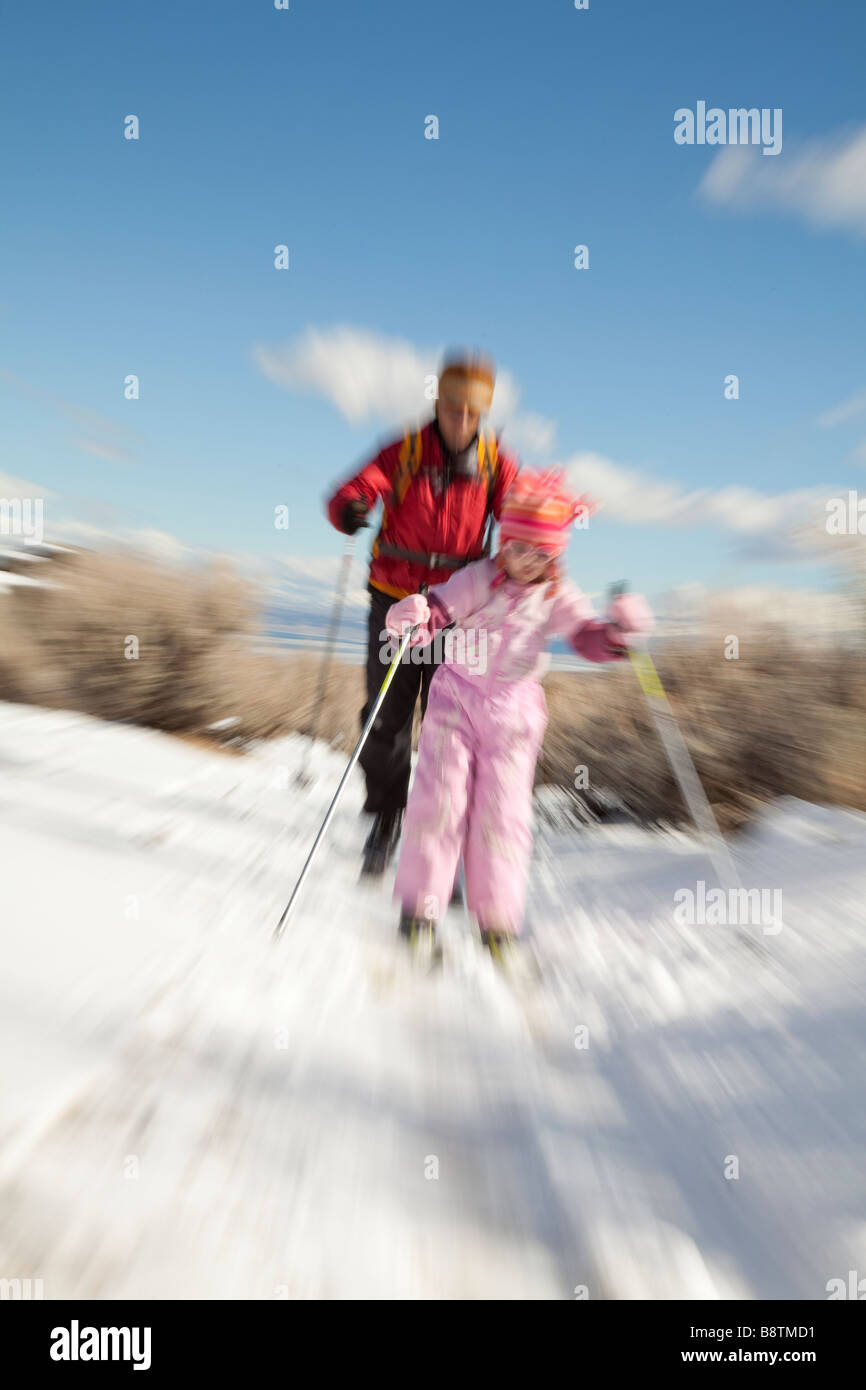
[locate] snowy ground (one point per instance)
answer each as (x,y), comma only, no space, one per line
(190,1110)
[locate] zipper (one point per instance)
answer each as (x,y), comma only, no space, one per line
(446,516)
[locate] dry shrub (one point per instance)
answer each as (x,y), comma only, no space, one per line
(86,629)
(65,646)
(297,696)
(782,720)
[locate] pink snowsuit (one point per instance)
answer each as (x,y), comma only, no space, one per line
(481,738)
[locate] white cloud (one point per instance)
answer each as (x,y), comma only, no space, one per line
(363,374)
(301,582)
(824,181)
(310,582)
(19,488)
(157,545)
(368,376)
(632,496)
(807,613)
(103,438)
(113,453)
(845,410)
(845,552)
(528,433)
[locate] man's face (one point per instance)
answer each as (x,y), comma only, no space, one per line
(458,422)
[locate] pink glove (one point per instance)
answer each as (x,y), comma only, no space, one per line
(412,609)
(631,617)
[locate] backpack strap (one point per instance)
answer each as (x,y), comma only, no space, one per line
(408,463)
(488,466)
(488,459)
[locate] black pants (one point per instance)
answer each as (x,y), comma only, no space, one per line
(386,756)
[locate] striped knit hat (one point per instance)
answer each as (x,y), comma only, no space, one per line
(540,510)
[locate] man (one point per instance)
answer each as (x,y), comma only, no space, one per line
(441,486)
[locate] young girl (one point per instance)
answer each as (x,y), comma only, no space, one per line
(486,714)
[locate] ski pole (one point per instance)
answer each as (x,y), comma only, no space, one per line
(302,778)
(681,761)
(386,684)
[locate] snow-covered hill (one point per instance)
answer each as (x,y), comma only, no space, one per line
(190,1110)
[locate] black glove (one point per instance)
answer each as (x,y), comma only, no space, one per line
(354,516)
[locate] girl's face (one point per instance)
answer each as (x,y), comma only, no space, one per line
(523,562)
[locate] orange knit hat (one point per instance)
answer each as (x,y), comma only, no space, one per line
(468,378)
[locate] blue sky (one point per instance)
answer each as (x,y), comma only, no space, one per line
(306,127)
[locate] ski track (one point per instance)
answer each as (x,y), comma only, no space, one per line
(191,1110)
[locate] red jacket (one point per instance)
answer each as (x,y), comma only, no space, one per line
(432,519)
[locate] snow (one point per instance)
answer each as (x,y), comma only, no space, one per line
(188,1109)
(10,580)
